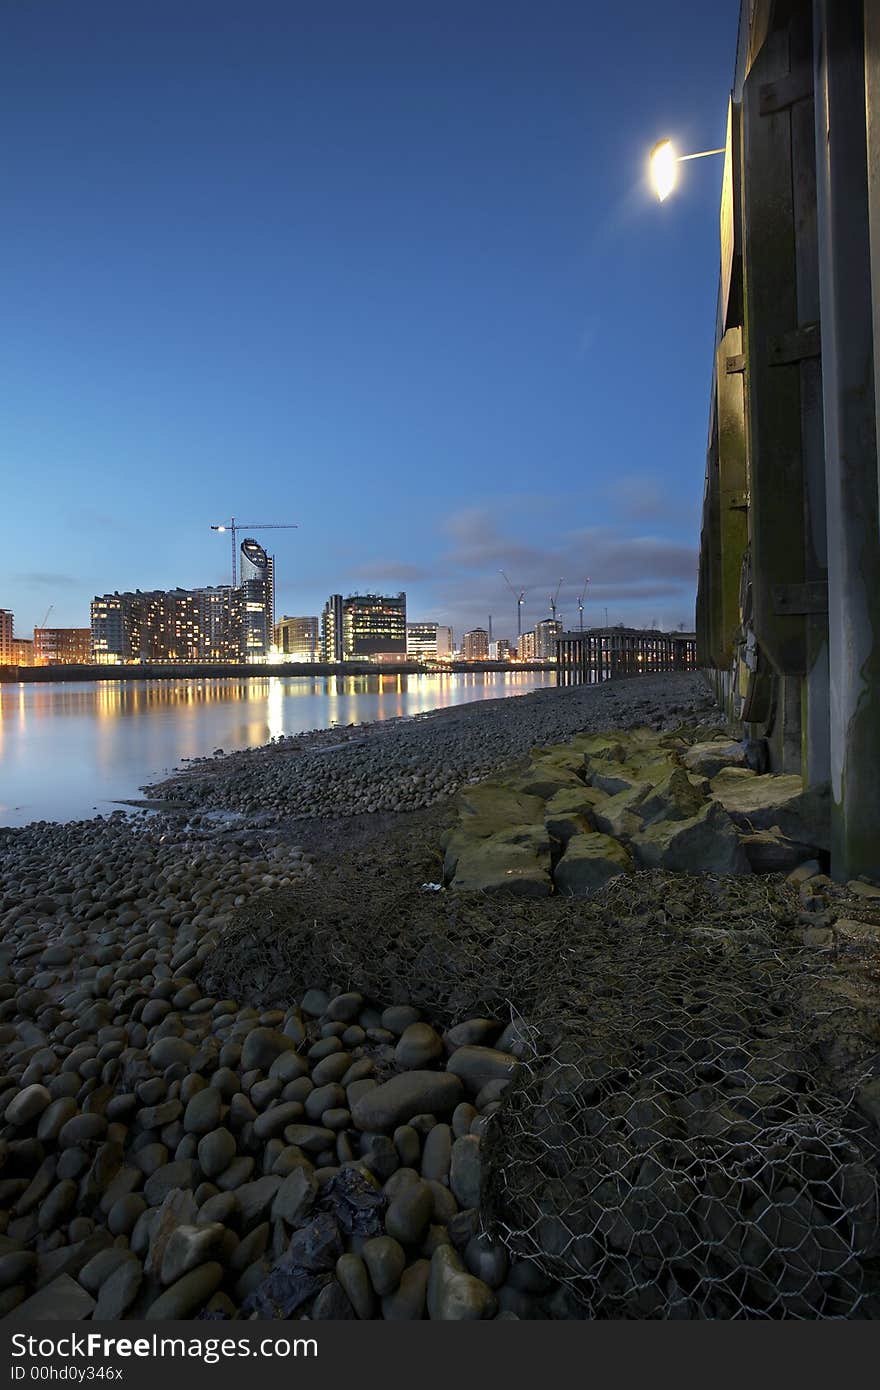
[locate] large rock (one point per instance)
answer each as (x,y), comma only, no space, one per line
(570,812)
(677,797)
(488,866)
(530,837)
(64,1300)
(545,778)
(771,852)
(588,862)
(710,758)
(412,1093)
(486,807)
(609,746)
(777,800)
(621,815)
(706,843)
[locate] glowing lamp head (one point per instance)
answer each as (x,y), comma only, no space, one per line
(664,169)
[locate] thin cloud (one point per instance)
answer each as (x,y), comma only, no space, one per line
(391,571)
(46,579)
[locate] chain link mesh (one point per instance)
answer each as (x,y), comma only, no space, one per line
(674,1144)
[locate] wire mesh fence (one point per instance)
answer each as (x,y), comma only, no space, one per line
(674,1144)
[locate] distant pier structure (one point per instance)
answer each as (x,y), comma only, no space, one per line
(602,653)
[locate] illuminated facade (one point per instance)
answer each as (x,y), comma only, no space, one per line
(257,581)
(298,638)
(500,650)
(374,627)
(546,634)
(526,650)
(62,646)
(428,641)
(167,625)
(332,625)
(475,645)
(5,637)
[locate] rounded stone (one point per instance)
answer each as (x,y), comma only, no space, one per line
(204,1111)
(409,1214)
(345,1007)
(385,1260)
(28,1105)
(419,1046)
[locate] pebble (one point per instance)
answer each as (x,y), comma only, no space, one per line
(419,1046)
(464,1171)
(27,1105)
(409,1214)
(385,1260)
(404,1097)
(189,1294)
(453,1294)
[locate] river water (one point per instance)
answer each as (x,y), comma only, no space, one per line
(70,750)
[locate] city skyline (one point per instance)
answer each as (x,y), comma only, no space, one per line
(373,274)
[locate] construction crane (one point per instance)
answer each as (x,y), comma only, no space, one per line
(554,598)
(520,600)
(580,602)
(46,615)
(235,526)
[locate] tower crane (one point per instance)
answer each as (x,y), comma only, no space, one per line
(520,600)
(580,602)
(554,599)
(46,615)
(234,527)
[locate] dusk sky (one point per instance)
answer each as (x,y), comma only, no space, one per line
(390,270)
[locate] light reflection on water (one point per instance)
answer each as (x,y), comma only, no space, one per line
(68,750)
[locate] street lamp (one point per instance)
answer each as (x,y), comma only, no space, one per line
(663,166)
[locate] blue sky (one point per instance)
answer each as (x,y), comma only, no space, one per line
(390,270)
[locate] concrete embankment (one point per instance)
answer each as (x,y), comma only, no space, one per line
(201,670)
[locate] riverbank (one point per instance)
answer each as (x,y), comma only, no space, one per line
(203,670)
(410,764)
(249,1066)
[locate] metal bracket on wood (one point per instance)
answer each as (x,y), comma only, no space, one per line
(785,91)
(795,599)
(738,502)
(735,364)
(795,346)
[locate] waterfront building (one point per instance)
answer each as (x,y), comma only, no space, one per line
(527,646)
(475,645)
(108,628)
(374,627)
(257,582)
(6,628)
(500,650)
(62,646)
(167,625)
(546,636)
(332,629)
(428,641)
(22,651)
(298,638)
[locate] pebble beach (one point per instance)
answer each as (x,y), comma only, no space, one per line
(168,1153)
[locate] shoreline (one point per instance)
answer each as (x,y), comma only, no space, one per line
(178,1114)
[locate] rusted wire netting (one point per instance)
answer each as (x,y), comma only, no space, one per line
(673,1144)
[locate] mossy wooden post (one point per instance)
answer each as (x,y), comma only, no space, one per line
(847,80)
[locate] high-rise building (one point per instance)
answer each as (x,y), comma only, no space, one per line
(6,629)
(333,629)
(475,645)
(374,627)
(62,646)
(298,638)
(428,641)
(500,650)
(257,580)
(546,633)
(526,650)
(110,643)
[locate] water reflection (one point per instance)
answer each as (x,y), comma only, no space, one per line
(68,750)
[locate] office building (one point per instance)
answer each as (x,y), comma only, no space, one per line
(475,645)
(332,629)
(428,641)
(62,646)
(374,627)
(298,638)
(257,581)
